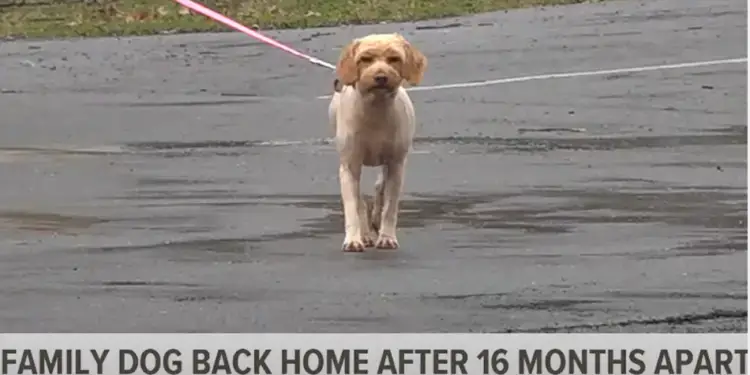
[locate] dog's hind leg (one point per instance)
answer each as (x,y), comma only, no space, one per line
(377,206)
(365,217)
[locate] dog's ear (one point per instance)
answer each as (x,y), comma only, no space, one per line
(415,64)
(346,67)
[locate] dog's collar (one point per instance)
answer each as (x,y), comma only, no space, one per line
(337,85)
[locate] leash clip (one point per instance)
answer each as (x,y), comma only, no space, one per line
(320,62)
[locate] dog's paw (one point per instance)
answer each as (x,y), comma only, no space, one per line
(369,240)
(353,246)
(386,242)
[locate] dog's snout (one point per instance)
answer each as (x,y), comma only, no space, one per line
(381,80)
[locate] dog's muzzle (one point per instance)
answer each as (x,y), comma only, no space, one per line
(381,81)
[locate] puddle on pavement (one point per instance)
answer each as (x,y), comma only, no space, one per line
(47,222)
(543,210)
(539,211)
(55,153)
(730,135)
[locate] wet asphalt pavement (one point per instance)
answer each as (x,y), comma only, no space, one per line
(187,184)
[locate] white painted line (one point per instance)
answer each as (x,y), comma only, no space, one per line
(573,74)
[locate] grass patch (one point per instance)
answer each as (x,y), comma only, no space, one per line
(70,18)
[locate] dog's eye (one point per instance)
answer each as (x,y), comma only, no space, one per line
(393,59)
(365,59)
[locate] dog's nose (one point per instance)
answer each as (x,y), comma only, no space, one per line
(381,80)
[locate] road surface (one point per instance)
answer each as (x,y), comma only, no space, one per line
(186,183)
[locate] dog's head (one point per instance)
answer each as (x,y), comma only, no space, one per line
(380,63)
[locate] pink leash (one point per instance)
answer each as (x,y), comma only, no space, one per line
(190,4)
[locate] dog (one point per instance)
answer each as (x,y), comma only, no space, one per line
(374,122)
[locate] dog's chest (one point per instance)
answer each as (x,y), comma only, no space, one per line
(378,154)
(379,147)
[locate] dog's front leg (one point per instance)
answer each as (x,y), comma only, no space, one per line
(349,177)
(394,179)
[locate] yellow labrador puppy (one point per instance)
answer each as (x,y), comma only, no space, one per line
(374,124)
